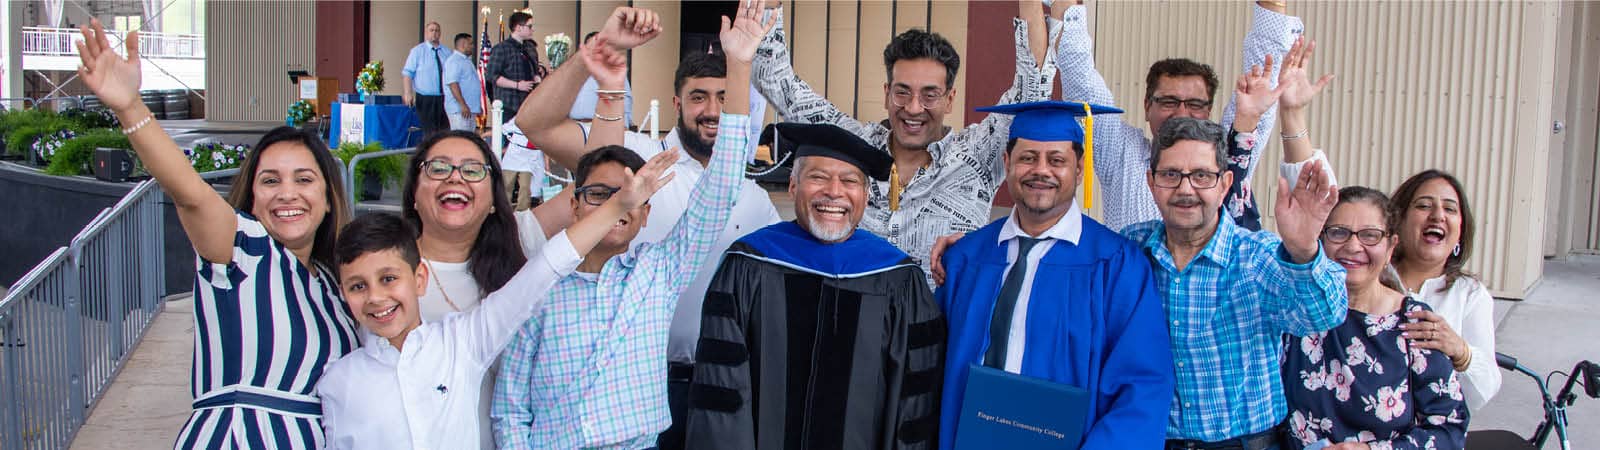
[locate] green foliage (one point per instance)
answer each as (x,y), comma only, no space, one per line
(212,156)
(32,126)
(74,155)
(390,169)
(88,119)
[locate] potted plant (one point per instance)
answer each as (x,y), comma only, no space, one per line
(373,174)
(73,155)
(213,156)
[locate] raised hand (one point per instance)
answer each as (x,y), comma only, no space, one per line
(1253,95)
(637,187)
(1298,90)
(1303,210)
(629,27)
(742,34)
(606,64)
(113,78)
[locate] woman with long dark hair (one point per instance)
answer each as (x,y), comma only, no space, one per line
(471,239)
(268,316)
(1436,227)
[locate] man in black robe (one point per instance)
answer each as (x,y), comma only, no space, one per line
(814,334)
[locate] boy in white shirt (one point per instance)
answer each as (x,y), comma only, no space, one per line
(415,384)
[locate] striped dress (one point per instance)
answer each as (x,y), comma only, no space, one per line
(265,327)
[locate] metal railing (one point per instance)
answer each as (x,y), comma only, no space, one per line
(49,41)
(68,326)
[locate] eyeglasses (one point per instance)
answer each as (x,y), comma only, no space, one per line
(595,194)
(1339,235)
(930,99)
(1200,179)
(471,171)
(1171,103)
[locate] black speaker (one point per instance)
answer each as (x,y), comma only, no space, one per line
(112,164)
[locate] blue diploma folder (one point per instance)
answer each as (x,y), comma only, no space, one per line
(1010,411)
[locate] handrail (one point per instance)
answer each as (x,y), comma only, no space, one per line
(350,170)
(31,279)
(53,41)
(215,174)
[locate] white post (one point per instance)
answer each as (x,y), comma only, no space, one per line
(655,119)
(495,123)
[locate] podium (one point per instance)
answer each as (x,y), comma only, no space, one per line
(323,92)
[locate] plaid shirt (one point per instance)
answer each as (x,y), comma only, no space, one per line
(1227,312)
(590,370)
(516,61)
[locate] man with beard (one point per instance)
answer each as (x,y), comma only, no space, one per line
(943,181)
(700,85)
(1050,293)
(816,334)
(1231,294)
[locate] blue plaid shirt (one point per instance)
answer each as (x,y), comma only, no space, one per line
(590,369)
(1227,312)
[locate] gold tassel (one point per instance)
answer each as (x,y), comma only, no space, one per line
(894,188)
(1088,156)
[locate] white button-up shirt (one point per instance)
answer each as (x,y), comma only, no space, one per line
(1469,309)
(1069,228)
(426,395)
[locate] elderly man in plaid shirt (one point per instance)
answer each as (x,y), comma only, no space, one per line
(587,371)
(1231,294)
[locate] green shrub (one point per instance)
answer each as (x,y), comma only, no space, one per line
(390,169)
(73,157)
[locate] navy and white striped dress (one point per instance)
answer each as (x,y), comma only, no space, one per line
(265,328)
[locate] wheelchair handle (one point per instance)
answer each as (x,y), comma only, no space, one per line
(1505,361)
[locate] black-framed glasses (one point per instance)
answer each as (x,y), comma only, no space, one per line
(471,171)
(595,194)
(1367,236)
(1200,179)
(1171,103)
(932,99)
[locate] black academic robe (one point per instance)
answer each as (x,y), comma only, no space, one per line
(805,345)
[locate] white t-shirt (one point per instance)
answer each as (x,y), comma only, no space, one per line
(520,156)
(454,279)
(421,396)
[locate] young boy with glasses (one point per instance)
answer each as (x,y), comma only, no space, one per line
(589,370)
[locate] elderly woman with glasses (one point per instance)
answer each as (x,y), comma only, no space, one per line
(1362,385)
(471,238)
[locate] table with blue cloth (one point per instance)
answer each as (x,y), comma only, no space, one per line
(388,124)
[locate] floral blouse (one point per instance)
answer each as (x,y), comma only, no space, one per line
(1361,381)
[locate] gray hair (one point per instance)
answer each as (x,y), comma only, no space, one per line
(1190,129)
(799,166)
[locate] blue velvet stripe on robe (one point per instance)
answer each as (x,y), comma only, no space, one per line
(1094,320)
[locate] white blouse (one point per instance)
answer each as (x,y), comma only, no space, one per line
(1469,309)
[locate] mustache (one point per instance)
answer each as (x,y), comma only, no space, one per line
(1185,201)
(1051,182)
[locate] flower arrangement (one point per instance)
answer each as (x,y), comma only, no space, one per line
(212,156)
(299,113)
(370,80)
(47,145)
(558,47)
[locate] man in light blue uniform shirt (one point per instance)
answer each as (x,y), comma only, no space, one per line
(424,79)
(464,101)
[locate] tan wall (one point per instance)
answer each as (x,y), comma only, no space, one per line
(454,16)
(246,78)
(1464,87)
(396,27)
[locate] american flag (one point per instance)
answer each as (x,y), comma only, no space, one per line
(483,64)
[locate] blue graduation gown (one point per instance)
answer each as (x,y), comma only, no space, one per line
(1094,321)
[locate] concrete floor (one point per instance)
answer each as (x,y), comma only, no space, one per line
(1555,327)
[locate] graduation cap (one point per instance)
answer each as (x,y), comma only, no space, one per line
(800,139)
(1056,121)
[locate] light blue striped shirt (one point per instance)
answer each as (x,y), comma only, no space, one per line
(590,369)
(1227,311)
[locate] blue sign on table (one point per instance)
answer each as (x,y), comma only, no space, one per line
(1006,410)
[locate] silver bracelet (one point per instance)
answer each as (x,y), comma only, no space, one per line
(608,118)
(137,125)
(1290,137)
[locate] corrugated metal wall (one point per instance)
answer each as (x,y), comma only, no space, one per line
(1460,86)
(249,47)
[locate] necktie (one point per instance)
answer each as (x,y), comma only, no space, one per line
(1006,305)
(440,65)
